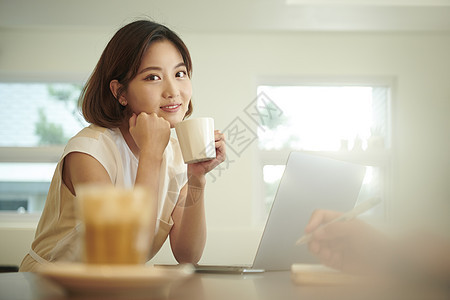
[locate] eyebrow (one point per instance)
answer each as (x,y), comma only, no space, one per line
(181,64)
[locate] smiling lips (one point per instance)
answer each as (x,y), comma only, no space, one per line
(171,107)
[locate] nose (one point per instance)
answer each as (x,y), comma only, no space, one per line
(170,89)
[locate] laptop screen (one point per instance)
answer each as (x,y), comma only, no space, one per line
(309,182)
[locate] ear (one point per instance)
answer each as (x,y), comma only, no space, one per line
(115,86)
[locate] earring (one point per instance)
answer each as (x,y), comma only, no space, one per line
(124,103)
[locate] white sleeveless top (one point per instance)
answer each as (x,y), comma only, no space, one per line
(57,235)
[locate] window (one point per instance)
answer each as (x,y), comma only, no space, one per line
(39,120)
(348,122)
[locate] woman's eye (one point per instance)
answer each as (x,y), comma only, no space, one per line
(152,77)
(181,74)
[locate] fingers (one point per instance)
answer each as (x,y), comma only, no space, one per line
(218,135)
(321,250)
(336,261)
(350,245)
(219,138)
(206,166)
(329,242)
(148,117)
(220,145)
(132,121)
(339,230)
(150,132)
(320,217)
(328,252)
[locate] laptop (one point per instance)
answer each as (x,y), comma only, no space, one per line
(309,182)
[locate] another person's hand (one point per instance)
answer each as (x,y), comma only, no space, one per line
(352,246)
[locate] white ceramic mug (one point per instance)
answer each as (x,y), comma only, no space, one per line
(196,138)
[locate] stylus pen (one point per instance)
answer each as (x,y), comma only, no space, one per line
(363,207)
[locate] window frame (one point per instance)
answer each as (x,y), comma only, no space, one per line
(50,154)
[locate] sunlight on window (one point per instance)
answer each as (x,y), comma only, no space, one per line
(340,120)
(272,175)
(317,118)
(44,114)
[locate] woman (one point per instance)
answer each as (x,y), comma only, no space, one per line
(140,88)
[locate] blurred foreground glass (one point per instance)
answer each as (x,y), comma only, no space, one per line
(117,224)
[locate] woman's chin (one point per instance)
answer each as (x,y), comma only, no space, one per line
(173,121)
(172,117)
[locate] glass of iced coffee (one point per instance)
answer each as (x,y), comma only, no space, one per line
(118,224)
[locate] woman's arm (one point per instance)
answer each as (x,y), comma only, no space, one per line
(150,135)
(147,136)
(188,234)
(144,130)
(81,168)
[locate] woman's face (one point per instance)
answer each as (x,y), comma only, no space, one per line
(162,84)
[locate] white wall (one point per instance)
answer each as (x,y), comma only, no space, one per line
(226,69)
